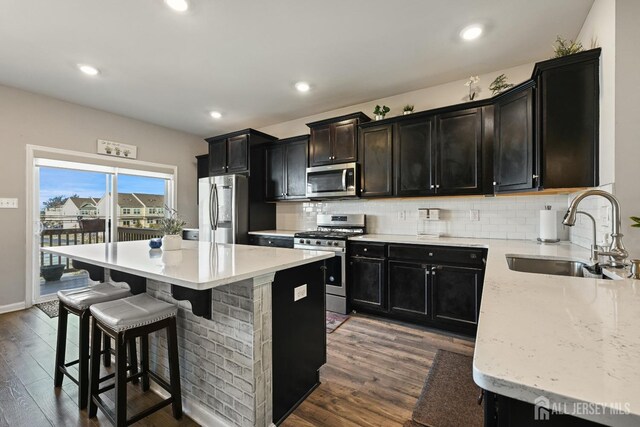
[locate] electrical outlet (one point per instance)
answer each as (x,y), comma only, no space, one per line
(8,203)
(474,215)
(402,215)
(299,292)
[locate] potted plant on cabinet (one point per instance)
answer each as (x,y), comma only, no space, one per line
(380,112)
(171,227)
(408,109)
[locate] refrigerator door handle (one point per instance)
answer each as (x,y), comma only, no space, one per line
(216,207)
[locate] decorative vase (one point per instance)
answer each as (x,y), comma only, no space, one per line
(171,242)
(404,113)
(379,117)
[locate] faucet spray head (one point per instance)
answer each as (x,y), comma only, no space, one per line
(570,217)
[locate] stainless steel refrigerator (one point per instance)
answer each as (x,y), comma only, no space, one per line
(224,208)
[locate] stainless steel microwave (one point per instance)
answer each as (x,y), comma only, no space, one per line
(340,180)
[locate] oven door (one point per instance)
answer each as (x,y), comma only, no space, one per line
(335,275)
(332,181)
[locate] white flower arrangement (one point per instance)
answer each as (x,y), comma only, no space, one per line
(471,83)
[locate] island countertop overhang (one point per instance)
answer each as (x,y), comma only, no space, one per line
(197,265)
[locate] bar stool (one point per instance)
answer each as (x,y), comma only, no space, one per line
(124,321)
(78,302)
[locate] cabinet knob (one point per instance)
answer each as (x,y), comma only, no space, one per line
(223,167)
(535,176)
(431,254)
(437,185)
(365,249)
(495,183)
(432,186)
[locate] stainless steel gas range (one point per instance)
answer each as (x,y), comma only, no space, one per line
(332,233)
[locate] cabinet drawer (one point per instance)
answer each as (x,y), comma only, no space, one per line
(369,250)
(275,241)
(437,254)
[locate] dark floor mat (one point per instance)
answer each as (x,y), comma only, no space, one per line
(50,308)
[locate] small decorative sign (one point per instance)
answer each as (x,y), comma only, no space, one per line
(118,149)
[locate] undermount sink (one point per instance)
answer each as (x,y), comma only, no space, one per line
(546,266)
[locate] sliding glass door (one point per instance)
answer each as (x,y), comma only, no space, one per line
(83,203)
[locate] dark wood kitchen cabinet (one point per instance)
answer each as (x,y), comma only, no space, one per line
(368,277)
(286,169)
(413,157)
(567,119)
(459,152)
(514,154)
(376,154)
(335,140)
(456,294)
(202,171)
(230,153)
(409,295)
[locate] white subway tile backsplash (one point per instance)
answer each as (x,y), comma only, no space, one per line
(512,217)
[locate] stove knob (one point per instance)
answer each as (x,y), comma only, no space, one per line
(308,242)
(336,244)
(301,240)
(318,242)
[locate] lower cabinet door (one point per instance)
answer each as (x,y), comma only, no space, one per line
(409,290)
(368,280)
(456,295)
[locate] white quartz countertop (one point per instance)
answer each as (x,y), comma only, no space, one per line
(279,233)
(198,265)
(572,340)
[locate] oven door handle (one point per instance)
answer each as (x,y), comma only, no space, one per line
(344,180)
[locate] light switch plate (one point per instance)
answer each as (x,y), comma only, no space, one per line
(474,215)
(8,203)
(299,292)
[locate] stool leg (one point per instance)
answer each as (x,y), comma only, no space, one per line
(94,378)
(107,350)
(133,359)
(144,361)
(121,381)
(174,368)
(83,364)
(61,344)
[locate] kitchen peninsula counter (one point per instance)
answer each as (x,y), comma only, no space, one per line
(251,322)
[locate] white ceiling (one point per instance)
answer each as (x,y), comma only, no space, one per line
(242,57)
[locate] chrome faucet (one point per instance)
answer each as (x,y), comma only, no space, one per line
(616,253)
(594,240)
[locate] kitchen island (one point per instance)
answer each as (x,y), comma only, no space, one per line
(236,304)
(565,344)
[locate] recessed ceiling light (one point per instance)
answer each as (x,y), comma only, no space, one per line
(303,87)
(215,114)
(471,32)
(88,69)
(178,5)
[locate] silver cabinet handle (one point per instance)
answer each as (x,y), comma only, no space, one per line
(535,176)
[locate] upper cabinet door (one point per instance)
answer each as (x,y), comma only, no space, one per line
(344,141)
(513,152)
(459,151)
(414,157)
(376,160)
(320,145)
(238,152)
(275,173)
(218,157)
(296,170)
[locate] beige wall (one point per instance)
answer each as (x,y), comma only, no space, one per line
(423,99)
(627,114)
(27,118)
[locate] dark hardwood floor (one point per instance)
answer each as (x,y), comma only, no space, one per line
(374,373)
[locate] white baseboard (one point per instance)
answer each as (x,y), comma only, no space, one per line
(12,307)
(198,413)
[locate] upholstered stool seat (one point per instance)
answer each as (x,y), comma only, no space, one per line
(83,298)
(132,312)
(125,320)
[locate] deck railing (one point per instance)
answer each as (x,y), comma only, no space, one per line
(75,236)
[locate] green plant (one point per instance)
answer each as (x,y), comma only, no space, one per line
(563,47)
(408,107)
(636,220)
(171,223)
(381,111)
(499,85)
